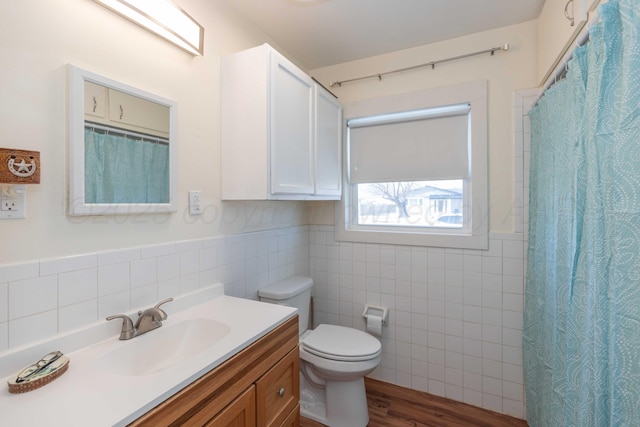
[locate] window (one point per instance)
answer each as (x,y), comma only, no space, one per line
(416,169)
(410,204)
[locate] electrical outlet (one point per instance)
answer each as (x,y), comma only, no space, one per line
(195,202)
(12,201)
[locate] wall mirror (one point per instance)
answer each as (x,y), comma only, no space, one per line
(122,147)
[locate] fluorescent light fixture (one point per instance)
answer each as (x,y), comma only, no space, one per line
(164,18)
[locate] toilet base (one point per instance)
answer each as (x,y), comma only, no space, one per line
(339,404)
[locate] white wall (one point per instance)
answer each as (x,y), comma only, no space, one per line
(505,71)
(36,40)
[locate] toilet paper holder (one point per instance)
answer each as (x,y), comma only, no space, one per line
(372,310)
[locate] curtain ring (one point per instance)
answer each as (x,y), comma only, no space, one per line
(566,12)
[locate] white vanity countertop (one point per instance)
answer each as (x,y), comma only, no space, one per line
(87,395)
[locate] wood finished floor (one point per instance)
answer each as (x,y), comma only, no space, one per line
(393,406)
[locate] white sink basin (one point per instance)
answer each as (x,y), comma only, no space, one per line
(163,347)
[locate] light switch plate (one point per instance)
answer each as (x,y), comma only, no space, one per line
(12,201)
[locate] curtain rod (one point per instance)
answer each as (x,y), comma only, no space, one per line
(559,70)
(431,64)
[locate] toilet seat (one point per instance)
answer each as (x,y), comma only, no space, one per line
(341,343)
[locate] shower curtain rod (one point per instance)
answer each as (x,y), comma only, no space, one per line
(126,133)
(560,68)
(431,64)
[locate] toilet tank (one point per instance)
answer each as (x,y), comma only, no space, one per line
(294,291)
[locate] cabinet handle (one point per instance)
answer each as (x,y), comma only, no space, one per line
(95,104)
(122,109)
(566,12)
(281,392)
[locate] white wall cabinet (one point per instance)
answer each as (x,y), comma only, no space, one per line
(281,133)
(328,136)
(556,34)
(134,112)
(115,108)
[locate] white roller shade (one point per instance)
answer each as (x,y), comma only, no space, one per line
(422,145)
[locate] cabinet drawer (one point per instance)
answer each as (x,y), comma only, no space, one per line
(240,413)
(278,391)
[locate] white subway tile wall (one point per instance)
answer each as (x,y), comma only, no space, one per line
(39,299)
(455,322)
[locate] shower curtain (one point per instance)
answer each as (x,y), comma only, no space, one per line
(119,169)
(581,336)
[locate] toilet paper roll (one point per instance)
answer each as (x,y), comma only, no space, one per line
(374,325)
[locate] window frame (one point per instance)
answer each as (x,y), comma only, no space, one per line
(475,189)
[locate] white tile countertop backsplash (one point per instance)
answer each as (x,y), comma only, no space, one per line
(88,395)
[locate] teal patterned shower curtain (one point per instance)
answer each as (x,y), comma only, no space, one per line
(581,337)
(120,169)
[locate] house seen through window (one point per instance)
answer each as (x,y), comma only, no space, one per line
(411,204)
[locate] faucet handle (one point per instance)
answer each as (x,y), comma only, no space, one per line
(164,301)
(127,331)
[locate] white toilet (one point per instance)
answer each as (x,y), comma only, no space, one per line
(333,360)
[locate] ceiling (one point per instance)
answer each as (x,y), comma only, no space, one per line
(319,33)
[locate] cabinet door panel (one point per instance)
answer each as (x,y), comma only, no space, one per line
(291,129)
(240,413)
(328,144)
(293,420)
(95,100)
(278,391)
(138,113)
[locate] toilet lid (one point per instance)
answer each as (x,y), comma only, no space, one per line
(341,343)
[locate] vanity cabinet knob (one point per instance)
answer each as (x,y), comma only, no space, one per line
(281,392)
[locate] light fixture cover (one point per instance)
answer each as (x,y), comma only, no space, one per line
(164,18)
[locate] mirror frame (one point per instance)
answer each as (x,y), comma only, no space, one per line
(76,192)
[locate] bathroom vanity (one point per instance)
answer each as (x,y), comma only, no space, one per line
(257,387)
(222,362)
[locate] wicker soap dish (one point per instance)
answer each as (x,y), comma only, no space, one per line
(39,374)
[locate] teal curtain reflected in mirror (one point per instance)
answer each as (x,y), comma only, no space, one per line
(581,336)
(120,168)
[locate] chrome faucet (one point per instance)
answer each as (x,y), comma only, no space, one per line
(148,320)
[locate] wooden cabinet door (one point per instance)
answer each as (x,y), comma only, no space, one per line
(291,128)
(278,391)
(293,420)
(239,413)
(328,144)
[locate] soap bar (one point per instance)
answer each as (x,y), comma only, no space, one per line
(42,378)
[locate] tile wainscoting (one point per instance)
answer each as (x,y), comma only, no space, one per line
(42,298)
(455,326)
